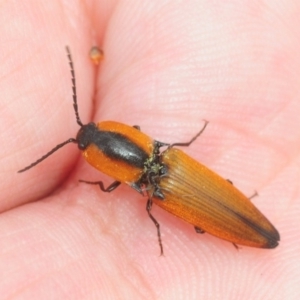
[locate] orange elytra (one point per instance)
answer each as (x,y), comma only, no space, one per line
(210,203)
(172,180)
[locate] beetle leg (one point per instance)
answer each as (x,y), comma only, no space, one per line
(137,187)
(192,140)
(148,208)
(137,127)
(109,189)
(236,246)
(255,192)
(199,230)
(254,195)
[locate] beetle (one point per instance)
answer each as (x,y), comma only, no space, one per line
(172,180)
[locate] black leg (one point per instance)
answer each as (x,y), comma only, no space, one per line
(192,140)
(199,230)
(137,127)
(236,246)
(148,208)
(137,187)
(255,192)
(251,197)
(254,195)
(109,189)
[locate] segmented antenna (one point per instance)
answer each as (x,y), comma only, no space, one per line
(75,105)
(71,140)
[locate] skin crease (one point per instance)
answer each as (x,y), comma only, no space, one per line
(168,65)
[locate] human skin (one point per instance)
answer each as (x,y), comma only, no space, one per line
(168,65)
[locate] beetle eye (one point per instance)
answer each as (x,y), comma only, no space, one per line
(81,146)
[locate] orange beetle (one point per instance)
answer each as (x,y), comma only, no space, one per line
(173,180)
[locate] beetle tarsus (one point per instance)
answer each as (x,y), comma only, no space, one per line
(254,195)
(148,208)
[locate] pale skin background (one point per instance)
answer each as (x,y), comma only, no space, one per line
(168,65)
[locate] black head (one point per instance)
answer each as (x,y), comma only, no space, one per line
(86,135)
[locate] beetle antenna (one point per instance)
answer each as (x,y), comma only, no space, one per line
(75,105)
(72,140)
